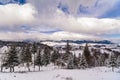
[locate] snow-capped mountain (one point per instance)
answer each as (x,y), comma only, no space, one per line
(74,42)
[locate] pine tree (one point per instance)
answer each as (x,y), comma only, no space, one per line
(79,57)
(118,61)
(11,58)
(3,57)
(46,56)
(83,64)
(87,55)
(38,60)
(75,61)
(55,55)
(67,54)
(68,47)
(70,64)
(34,50)
(112,62)
(22,55)
(27,56)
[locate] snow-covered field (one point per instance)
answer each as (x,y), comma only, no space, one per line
(48,73)
(58,43)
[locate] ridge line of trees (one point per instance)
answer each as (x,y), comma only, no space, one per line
(35,55)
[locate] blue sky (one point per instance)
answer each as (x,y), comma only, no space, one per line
(4,2)
(112,13)
(59,19)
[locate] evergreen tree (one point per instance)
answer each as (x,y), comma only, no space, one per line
(68,47)
(83,64)
(67,54)
(22,55)
(55,55)
(11,58)
(38,60)
(70,64)
(79,57)
(34,50)
(27,56)
(75,61)
(87,55)
(3,57)
(46,56)
(112,62)
(118,61)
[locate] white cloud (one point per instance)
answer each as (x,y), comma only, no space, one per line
(74,4)
(95,8)
(84,25)
(48,15)
(44,7)
(42,14)
(62,35)
(20,36)
(14,14)
(52,17)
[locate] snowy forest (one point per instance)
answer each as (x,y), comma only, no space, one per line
(33,56)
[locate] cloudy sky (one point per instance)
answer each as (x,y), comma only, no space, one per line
(60,19)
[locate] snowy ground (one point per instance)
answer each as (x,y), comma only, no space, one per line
(99,73)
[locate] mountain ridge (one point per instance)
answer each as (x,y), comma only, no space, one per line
(82,41)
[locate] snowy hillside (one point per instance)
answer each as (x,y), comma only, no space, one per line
(98,73)
(49,43)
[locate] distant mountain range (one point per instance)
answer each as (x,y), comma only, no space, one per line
(81,41)
(61,41)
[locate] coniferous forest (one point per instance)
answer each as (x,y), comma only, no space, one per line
(37,55)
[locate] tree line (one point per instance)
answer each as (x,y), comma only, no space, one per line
(34,55)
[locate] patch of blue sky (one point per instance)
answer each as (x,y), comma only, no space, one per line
(112,35)
(2,2)
(25,27)
(64,8)
(112,13)
(50,32)
(82,9)
(42,29)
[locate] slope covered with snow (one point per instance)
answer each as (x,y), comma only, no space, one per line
(99,73)
(49,43)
